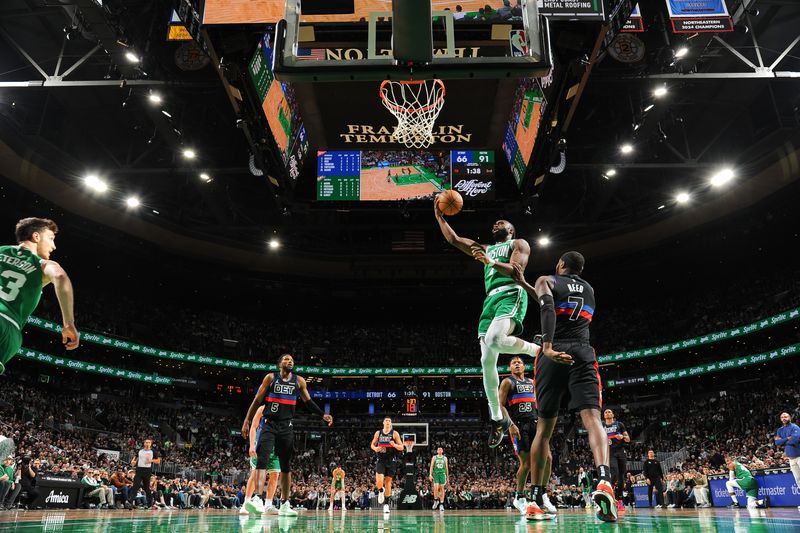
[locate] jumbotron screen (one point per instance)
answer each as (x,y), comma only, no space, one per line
(374,175)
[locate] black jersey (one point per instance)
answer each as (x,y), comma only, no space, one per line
(281,397)
(521,400)
(612,430)
(385,441)
(574,301)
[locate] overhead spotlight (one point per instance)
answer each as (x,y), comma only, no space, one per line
(648,108)
(636,126)
(166,114)
(610,173)
(682,197)
(658,92)
(681,52)
(205,177)
(626,148)
(155,98)
(188,153)
(741,28)
(130,56)
(132,202)
(543,241)
(95,183)
(274,244)
(661,207)
(155,212)
(721,177)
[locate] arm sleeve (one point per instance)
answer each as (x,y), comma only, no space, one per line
(314,408)
(547,314)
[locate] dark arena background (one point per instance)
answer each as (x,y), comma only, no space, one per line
(234,181)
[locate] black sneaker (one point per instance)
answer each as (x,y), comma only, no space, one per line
(499,429)
(734,506)
(538,340)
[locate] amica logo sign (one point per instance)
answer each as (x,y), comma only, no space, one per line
(57,498)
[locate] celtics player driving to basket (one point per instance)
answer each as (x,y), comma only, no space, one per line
(503,309)
(25,270)
(439,472)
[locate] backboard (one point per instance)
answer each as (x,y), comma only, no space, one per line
(413,39)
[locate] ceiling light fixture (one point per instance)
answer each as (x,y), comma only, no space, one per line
(95,183)
(722,177)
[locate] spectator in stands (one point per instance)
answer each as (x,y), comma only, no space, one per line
(94,489)
(9,485)
(120,483)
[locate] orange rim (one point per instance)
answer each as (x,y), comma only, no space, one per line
(402,109)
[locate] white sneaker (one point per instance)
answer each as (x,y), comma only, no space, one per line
(441,507)
(435,503)
(286,509)
(521,504)
(548,507)
(243,509)
(254,505)
(671,506)
(386,508)
(380,498)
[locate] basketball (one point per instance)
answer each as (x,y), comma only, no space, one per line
(450,202)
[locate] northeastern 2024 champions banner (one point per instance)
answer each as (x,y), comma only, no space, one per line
(699,16)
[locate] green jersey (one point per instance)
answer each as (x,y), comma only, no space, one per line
(501,253)
(439,464)
(741,472)
(20,284)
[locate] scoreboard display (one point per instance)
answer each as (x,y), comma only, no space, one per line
(339,175)
(368,175)
(473,173)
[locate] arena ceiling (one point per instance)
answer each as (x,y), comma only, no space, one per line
(72,103)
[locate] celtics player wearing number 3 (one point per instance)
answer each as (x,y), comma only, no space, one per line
(25,270)
(503,309)
(439,472)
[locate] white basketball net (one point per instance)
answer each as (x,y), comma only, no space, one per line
(415,105)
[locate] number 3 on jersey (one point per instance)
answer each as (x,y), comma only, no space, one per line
(9,290)
(578,301)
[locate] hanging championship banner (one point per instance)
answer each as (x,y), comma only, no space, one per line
(635,24)
(699,16)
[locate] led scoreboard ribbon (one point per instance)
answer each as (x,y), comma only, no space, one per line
(134,347)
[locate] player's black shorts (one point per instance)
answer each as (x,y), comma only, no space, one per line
(277,435)
(581,380)
(527,431)
(386,466)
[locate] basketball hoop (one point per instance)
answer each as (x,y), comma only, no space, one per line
(415,105)
(409,444)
